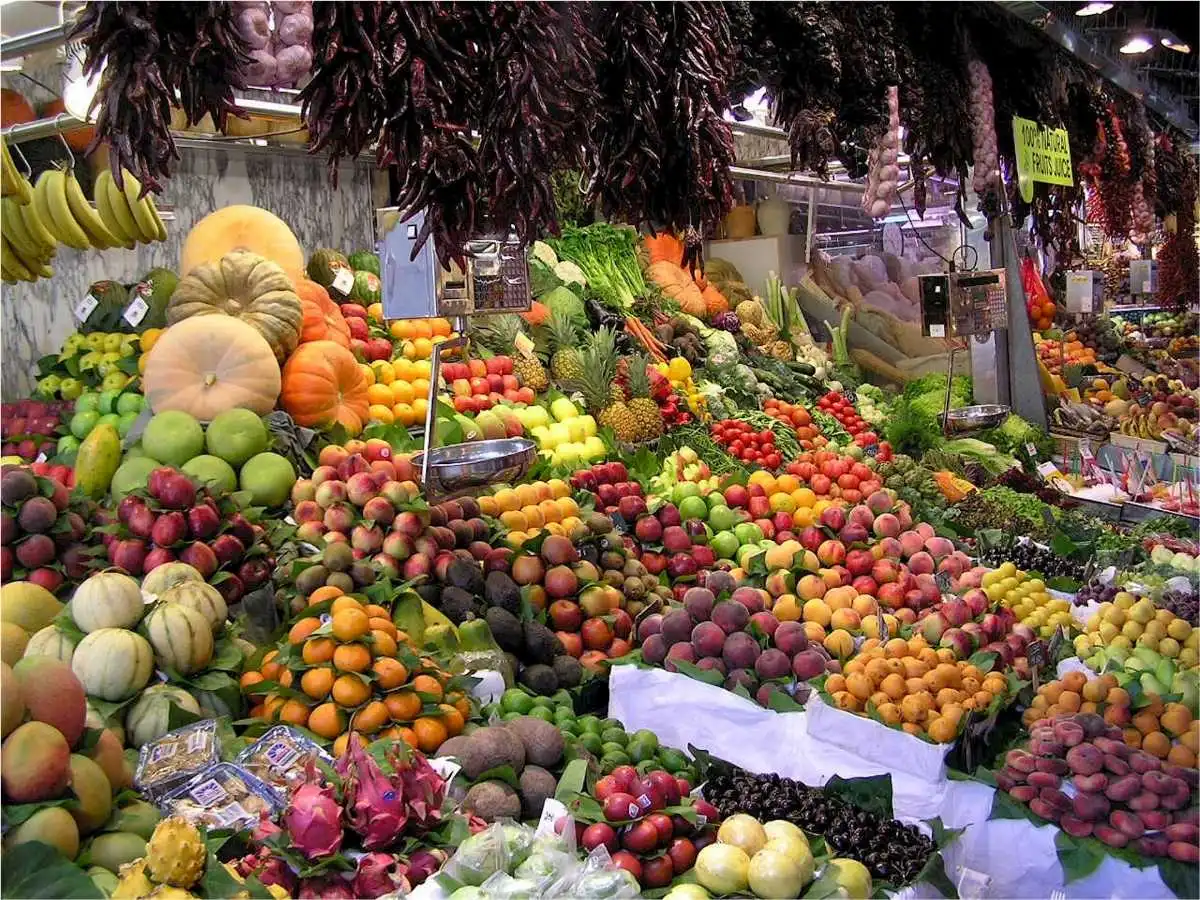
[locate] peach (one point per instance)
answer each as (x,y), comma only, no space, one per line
(846,619)
(811,587)
(817,611)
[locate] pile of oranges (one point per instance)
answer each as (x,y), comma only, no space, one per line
(414,338)
(1055,354)
(798,417)
(1041,312)
(357,673)
(926,692)
(528,509)
(398,391)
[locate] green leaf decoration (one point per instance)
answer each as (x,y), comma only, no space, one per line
(35,869)
(873,793)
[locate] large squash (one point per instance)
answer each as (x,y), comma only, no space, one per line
(242,228)
(323,385)
(203,598)
(323,319)
(248,287)
(679,286)
(208,364)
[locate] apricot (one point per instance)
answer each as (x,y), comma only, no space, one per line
(915,707)
(1074,681)
(914,685)
(913,667)
(983,699)
(1145,722)
(896,648)
(877,670)
(1175,719)
(859,685)
(1118,696)
(942,729)
(1132,737)
(1051,691)
(947,696)
(890,713)
(912,728)
(835,684)
(847,701)
(878,698)
(1182,756)
(894,686)
(1156,744)
(1069,701)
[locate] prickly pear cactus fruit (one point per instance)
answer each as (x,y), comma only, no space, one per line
(176,853)
(133,883)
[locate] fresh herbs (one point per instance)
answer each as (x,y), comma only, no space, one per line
(608,257)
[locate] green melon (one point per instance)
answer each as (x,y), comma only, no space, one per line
(111,298)
(174,437)
(269,477)
(131,475)
(236,435)
(212,471)
(324,264)
(365,261)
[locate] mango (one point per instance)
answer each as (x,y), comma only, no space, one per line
(105,880)
(35,763)
(97,461)
(137,817)
(90,785)
(12,706)
(110,757)
(53,695)
(13,639)
(52,825)
(29,605)
(113,849)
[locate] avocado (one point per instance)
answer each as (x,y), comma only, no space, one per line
(500,590)
(459,605)
(568,669)
(506,629)
(541,646)
(539,678)
(465,575)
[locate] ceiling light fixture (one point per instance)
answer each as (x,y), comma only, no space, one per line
(1138,44)
(1171,42)
(1093,9)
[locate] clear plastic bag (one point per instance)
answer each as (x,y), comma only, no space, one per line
(478,858)
(597,879)
(502,886)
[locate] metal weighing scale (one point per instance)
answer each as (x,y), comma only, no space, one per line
(496,280)
(962,305)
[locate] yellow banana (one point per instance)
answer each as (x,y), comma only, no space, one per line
(159,226)
(13,228)
(56,200)
(86,217)
(37,228)
(41,206)
(12,182)
(119,207)
(12,264)
(107,215)
(141,215)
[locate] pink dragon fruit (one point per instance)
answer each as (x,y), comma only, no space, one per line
(268,869)
(424,863)
(264,829)
(313,818)
(424,789)
(379,874)
(327,887)
(375,804)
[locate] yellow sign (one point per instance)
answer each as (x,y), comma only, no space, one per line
(1043,154)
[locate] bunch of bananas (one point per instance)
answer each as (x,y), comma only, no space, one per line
(1143,425)
(13,183)
(57,212)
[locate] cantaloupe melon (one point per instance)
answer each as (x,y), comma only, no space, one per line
(242,227)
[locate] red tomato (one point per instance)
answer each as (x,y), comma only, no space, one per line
(772,460)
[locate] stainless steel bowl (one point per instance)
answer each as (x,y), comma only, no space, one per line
(974,418)
(462,467)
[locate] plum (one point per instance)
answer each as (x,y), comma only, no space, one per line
(1024,792)
(743,677)
(1053,765)
(676,627)
(1141,762)
(1110,836)
(654,649)
(1160,783)
(708,639)
(1112,747)
(1182,831)
(1115,764)
(1123,789)
(1021,761)
(1126,823)
(732,617)
(1055,798)
(1143,801)
(682,650)
(1006,779)
(1043,747)
(652,624)
(741,651)
(1154,819)
(711,662)
(1093,725)
(1177,800)
(1185,852)
(772,664)
(1069,733)
(699,603)
(791,638)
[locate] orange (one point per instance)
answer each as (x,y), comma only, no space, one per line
(317,682)
(327,720)
(269,669)
(249,679)
(349,624)
(402,392)
(350,691)
(285,677)
(506,500)
(318,650)
(461,703)
(371,717)
(383,644)
(271,707)
(302,629)
(403,706)
(568,506)
(452,719)
(343,741)
(404,414)
(368,373)
(422,328)
(375,611)
(323,593)
(384,372)
(440,327)
(420,404)
(382,623)
(352,658)
(420,388)
(431,733)
(488,507)
(381,412)
(380,394)
(558,488)
(407,735)
(345,603)
(427,684)
(389,673)
(294,713)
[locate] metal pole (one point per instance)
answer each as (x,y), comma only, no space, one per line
(34,41)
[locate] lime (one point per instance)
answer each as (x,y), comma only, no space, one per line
(592,744)
(130,402)
(509,716)
(88,401)
(613,747)
(615,736)
(82,423)
(562,697)
(125,422)
(50,385)
(540,712)
(173,437)
(611,723)
(589,723)
(610,761)
(545,702)
(236,435)
(688,774)
(640,751)
(672,760)
(209,470)
(269,478)
(516,700)
(647,736)
(568,726)
(67,447)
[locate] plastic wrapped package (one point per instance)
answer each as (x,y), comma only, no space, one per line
(280,757)
(597,879)
(224,796)
(175,758)
(478,858)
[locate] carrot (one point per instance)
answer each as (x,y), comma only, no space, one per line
(636,329)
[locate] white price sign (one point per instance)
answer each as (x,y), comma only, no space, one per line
(85,308)
(343,282)
(136,311)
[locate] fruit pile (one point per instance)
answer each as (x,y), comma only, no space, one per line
(925,692)
(29,428)
(877,847)
(807,432)
(1167,731)
(829,474)
(117,408)
(745,444)
(529,509)
(349,670)
(398,391)
(721,637)
(1119,795)
(530,747)
(43,533)
(565,437)
(855,425)
(335,567)
(1028,599)
(415,338)
(477,384)
(1127,622)
(371,347)
(654,846)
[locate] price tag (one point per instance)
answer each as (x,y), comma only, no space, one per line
(1085,452)
(883,628)
(1031,449)
(343,282)
(41,457)
(136,310)
(1047,469)
(1146,289)
(553,811)
(937,331)
(871,450)
(85,307)
(942,580)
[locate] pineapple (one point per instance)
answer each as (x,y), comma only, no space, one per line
(645,411)
(499,334)
(599,364)
(565,367)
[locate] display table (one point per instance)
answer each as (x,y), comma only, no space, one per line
(991,858)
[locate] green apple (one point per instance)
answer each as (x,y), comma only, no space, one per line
(685,489)
(748,533)
(83,422)
(693,508)
(725,544)
(722,518)
(130,403)
(563,409)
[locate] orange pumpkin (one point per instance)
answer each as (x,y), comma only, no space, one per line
(664,247)
(323,320)
(14,109)
(77,139)
(323,385)
(714,301)
(679,286)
